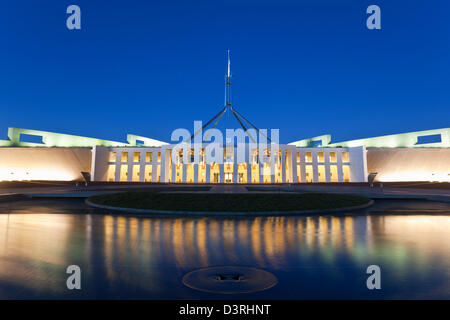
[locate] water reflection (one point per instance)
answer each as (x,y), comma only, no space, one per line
(146,257)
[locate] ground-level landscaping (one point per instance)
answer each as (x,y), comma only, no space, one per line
(241,202)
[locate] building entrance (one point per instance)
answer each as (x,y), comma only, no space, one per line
(228,177)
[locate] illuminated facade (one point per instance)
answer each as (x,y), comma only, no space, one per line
(403,157)
(291,165)
(415,156)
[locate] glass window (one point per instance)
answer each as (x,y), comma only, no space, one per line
(309,173)
(321,173)
(308,157)
(345,157)
(148,173)
(112,156)
(137,157)
(124,156)
(112,173)
(148,157)
(124,172)
(333,157)
(136,173)
(346,173)
(320,157)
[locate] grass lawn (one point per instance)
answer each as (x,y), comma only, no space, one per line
(243,202)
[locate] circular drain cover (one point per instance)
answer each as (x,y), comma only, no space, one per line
(230,279)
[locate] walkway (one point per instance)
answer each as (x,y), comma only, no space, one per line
(82,191)
(224,188)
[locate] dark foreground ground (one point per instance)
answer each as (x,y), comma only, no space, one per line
(229,202)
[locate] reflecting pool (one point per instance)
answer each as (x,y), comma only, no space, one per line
(318,257)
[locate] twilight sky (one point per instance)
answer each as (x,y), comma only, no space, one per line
(148,67)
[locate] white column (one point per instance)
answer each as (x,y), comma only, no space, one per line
(365,167)
(222,173)
(174,172)
(118,166)
(154,165)
(283,165)
(302,167)
(249,172)
(130,171)
(208,173)
(339,166)
(235,169)
(326,155)
(142,167)
(294,164)
(130,166)
(184,173)
(315,168)
(168,164)
(260,171)
(327,173)
(196,162)
(195,172)
(163,165)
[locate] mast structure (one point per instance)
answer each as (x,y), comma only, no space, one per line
(228,106)
(228,86)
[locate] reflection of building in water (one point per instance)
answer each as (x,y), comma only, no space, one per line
(128,250)
(188,243)
(143,244)
(421,233)
(34,237)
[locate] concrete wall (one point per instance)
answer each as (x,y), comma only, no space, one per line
(392,164)
(44,163)
(407,164)
(358,164)
(99,166)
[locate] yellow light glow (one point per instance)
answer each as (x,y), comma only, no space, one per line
(38,174)
(414,176)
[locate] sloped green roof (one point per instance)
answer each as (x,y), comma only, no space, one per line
(51,139)
(402,140)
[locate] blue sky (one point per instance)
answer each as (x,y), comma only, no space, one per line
(148,67)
